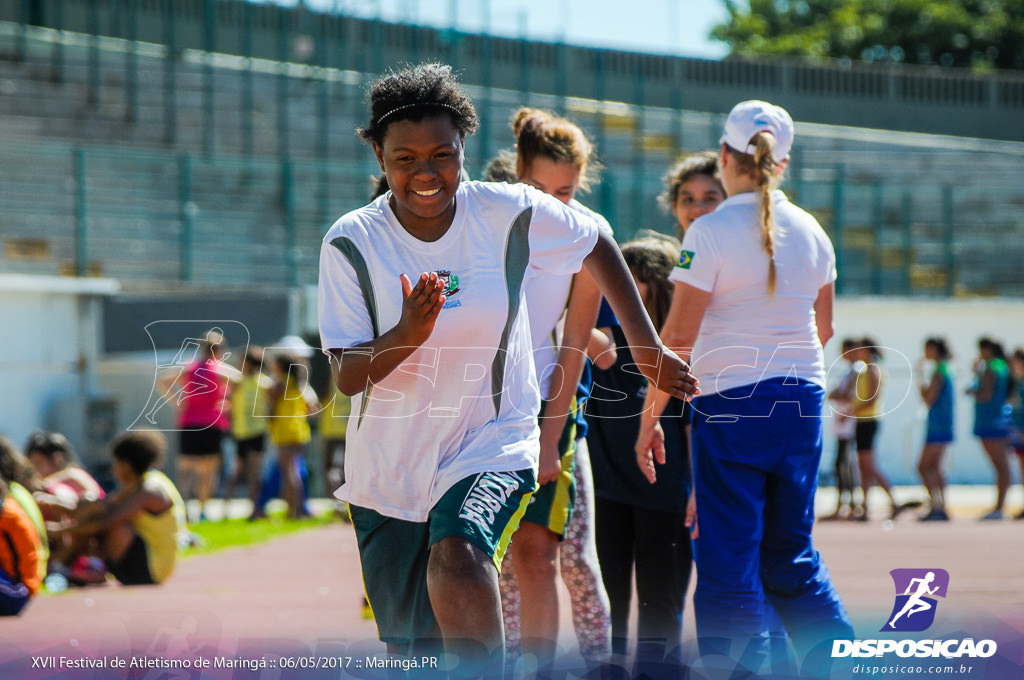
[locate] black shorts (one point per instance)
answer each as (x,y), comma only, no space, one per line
(201,441)
(253,445)
(865,434)
(133,567)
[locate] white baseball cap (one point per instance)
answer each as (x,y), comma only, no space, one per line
(750,117)
(295,345)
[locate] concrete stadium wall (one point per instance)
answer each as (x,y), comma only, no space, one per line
(49,351)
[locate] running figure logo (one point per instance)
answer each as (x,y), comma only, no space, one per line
(914,610)
(172,383)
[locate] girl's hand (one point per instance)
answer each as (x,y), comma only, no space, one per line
(671,375)
(420,307)
(691,515)
(550,464)
(650,447)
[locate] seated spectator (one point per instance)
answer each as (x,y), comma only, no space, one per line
(19,560)
(53,456)
(135,528)
(22,482)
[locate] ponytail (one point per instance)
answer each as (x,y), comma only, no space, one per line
(766,174)
(541,134)
(763,167)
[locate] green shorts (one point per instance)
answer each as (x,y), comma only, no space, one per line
(551,505)
(484,509)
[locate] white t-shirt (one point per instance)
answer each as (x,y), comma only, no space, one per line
(747,334)
(546,295)
(466,401)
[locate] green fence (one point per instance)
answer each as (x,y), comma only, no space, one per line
(169,162)
(160,217)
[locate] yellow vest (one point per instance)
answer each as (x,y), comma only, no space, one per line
(290,421)
(23,497)
(863,392)
(248,408)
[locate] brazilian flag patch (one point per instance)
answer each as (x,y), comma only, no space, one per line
(685,259)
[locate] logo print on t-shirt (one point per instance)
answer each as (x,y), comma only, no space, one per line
(685,259)
(451,287)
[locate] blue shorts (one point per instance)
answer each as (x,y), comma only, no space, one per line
(991,431)
(483,509)
(938,436)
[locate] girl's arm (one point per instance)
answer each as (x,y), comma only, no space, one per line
(930,392)
(580,317)
(601,349)
(658,364)
(118,509)
(689,304)
(370,362)
(986,386)
(823,313)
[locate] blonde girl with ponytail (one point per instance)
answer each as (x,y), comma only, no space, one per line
(762,174)
(753,307)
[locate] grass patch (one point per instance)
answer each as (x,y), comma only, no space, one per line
(231,533)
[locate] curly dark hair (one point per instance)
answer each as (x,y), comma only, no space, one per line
(683,170)
(142,449)
(415,93)
(53,445)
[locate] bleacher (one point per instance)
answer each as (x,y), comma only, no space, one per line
(214,170)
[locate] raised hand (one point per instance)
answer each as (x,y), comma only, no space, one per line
(420,307)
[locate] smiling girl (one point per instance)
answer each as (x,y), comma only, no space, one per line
(442,442)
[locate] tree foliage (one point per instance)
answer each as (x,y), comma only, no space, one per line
(980,34)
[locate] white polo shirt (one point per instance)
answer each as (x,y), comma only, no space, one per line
(747,334)
(466,401)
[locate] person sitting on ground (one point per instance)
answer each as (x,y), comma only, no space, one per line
(22,482)
(53,457)
(136,527)
(19,560)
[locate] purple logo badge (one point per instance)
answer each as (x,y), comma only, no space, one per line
(916,589)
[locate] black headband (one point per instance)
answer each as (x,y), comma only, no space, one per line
(409,106)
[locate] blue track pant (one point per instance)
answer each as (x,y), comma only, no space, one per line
(756,451)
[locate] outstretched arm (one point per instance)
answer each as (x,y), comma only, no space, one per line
(680,332)
(370,362)
(910,586)
(658,364)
